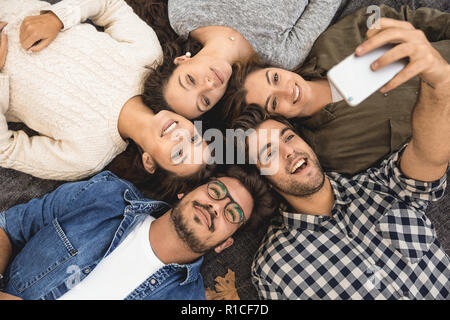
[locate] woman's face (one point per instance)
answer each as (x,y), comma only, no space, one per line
(174,144)
(279,91)
(197,84)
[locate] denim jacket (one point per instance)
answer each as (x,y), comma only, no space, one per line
(60,238)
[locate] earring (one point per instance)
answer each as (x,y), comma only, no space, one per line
(188,54)
(232,38)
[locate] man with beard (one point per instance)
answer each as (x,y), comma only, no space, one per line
(100,239)
(365,237)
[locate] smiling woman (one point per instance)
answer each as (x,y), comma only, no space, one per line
(227,33)
(86,104)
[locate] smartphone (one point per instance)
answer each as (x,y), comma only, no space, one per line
(355,80)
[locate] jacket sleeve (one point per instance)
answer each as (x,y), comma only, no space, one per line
(23,221)
(118,20)
(314,20)
(434,23)
(47,158)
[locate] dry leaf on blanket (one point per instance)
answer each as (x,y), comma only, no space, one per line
(225,288)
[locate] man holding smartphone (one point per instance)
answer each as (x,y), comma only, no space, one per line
(365,237)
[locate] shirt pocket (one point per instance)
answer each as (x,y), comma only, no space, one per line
(43,254)
(408,231)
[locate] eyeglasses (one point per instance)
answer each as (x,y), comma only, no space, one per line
(233,212)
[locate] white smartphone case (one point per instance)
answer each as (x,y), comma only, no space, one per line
(355,80)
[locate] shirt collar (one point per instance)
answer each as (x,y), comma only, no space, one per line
(192,270)
(313,222)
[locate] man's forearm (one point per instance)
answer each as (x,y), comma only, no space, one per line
(431,122)
(426,157)
(5,250)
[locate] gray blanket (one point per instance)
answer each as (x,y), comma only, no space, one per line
(17,187)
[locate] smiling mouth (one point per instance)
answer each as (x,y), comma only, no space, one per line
(299,165)
(297,93)
(168,127)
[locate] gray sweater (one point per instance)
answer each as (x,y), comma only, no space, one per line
(282,32)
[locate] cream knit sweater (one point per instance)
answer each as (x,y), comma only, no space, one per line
(71,92)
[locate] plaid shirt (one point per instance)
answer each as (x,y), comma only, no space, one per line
(378,245)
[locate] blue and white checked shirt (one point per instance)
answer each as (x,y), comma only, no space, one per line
(380,244)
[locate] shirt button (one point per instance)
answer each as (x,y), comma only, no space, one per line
(379,264)
(350,235)
(120,232)
(385,94)
(87,270)
(153,282)
(405,294)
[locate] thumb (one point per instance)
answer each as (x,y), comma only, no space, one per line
(41,45)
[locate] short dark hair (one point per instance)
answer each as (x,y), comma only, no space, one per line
(264,202)
(251,117)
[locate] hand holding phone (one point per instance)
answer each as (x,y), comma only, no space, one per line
(354,78)
(405,42)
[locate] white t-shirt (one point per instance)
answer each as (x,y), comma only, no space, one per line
(122,271)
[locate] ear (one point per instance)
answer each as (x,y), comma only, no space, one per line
(180,59)
(149,163)
(180,195)
(227,243)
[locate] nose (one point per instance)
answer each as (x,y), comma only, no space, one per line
(284,89)
(214,207)
(209,83)
(288,151)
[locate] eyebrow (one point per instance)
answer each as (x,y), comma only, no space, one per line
(267,146)
(266,105)
(181,84)
(284,131)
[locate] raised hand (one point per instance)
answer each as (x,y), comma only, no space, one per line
(37,32)
(412,43)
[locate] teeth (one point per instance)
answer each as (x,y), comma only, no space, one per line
(298,165)
(170,128)
(297,93)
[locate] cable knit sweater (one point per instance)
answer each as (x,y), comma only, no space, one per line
(71,92)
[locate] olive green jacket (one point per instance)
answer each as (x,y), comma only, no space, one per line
(351,139)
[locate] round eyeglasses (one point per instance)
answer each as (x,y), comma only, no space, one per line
(233,211)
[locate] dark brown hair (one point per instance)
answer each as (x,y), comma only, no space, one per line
(233,101)
(155,14)
(252,116)
(162,184)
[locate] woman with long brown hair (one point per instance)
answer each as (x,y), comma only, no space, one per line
(79,89)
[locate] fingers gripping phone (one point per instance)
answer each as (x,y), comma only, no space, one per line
(355,80)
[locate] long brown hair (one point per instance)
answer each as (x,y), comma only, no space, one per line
(233,101)
(162,184)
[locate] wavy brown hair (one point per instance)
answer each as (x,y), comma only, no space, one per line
(233,101)
(162,184)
